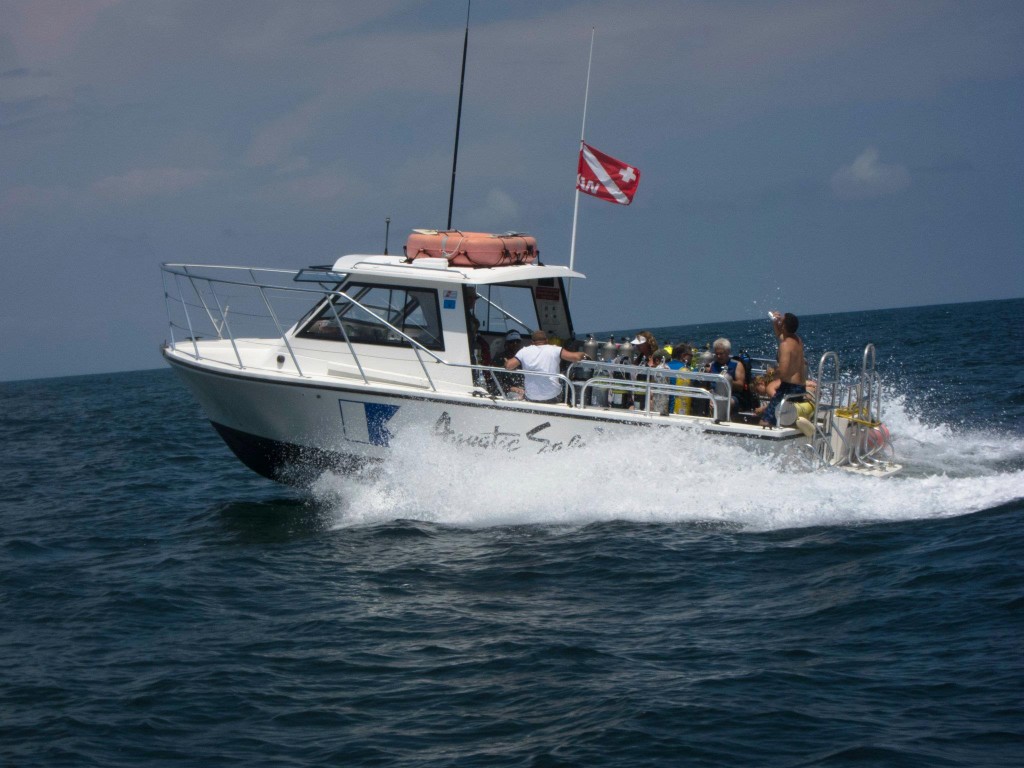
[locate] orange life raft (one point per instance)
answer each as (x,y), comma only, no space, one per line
(472,249)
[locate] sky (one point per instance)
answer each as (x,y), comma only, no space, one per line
(808,156)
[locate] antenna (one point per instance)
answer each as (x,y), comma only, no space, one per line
(458,118)
(387,231)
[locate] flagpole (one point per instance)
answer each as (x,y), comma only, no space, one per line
(583,131)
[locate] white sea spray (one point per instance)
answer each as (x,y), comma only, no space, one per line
(673,476)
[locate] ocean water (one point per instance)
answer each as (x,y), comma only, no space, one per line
(656,603)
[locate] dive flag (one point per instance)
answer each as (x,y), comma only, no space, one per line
(605,177)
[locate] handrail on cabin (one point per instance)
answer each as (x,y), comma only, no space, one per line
(182,270)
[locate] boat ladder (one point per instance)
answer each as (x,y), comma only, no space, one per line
(848,431)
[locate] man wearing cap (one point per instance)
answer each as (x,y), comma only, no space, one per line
(542,358)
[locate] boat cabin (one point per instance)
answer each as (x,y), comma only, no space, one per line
(393,315)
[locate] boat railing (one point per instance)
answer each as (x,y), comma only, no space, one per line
(870,444)
(232,304)
(848,429)
(827,441)
(643,380)
(649,389)
(208,304)
(582,393)
(489,378)
(198,291)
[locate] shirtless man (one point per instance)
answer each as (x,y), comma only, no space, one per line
(792,368)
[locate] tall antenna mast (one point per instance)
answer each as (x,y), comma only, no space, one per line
(458,118)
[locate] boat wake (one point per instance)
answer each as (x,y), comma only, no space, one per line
(955,451)
(949,472)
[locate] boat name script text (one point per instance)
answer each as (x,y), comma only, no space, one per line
(507,441)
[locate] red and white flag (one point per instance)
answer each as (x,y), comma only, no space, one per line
(603,176)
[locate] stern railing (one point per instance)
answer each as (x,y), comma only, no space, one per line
(848,428)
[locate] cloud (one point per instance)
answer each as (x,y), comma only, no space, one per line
(498,209)
(321,187)
(273,142)
(868,177)
(150,182)
(46,30)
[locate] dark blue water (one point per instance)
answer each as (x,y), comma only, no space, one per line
(652,604)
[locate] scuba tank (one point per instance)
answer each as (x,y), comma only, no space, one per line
(608,350)
(621,398)
(605,353)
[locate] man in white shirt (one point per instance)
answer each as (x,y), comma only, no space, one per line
(542,358)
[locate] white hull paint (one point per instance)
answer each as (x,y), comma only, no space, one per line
(348,425)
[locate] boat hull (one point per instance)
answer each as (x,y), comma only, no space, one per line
(294,430)
(287,462)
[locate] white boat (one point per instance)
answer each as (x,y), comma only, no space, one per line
(328,368)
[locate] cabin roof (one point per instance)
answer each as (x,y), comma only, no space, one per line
(397,268)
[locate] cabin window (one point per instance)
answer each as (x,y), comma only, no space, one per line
(408,312)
